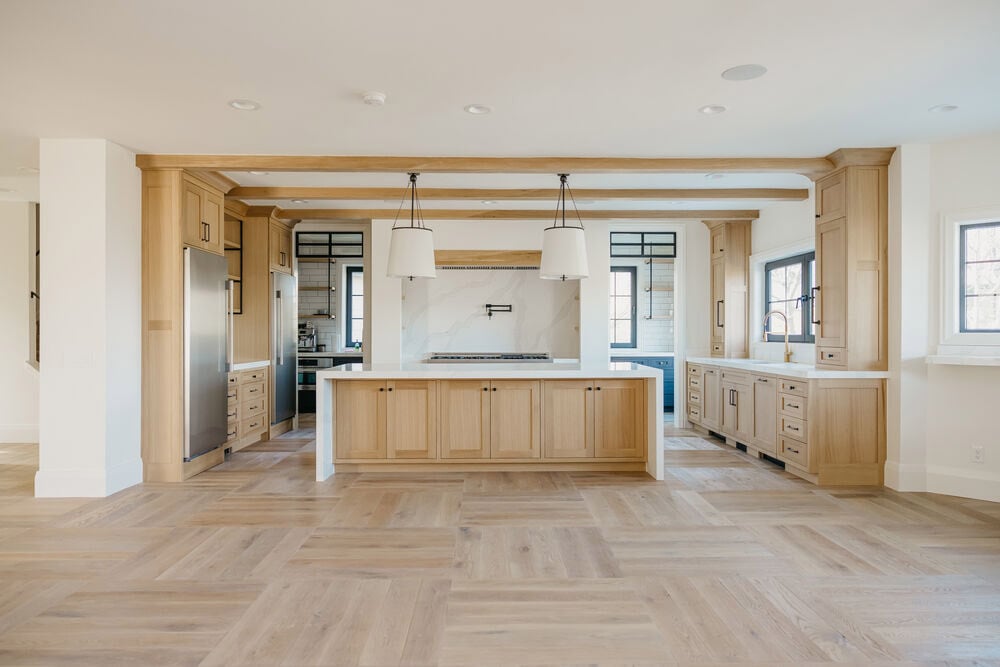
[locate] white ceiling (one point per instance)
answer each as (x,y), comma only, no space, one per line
(565,77)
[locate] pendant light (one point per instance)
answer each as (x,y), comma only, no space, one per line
(564,249)
(411,247)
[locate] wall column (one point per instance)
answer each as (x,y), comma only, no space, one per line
(89,385)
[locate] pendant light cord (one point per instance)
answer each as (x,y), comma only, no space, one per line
(416,211)
(561,204)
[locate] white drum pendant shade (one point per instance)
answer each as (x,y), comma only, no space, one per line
(564,254)
(411,253)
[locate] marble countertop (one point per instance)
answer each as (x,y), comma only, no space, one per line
(321,355)
(644,355)
(250,365)
(488,371)
(783,369)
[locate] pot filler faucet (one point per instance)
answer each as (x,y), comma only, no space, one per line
(767,315)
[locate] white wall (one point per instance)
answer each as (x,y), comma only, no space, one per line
(783,229)
(18,380)
(89,391)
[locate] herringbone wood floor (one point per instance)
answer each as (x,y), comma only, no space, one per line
(728,561)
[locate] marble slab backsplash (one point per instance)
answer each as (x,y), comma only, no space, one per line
(448,314)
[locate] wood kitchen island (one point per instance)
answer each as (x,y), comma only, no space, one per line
(500,416)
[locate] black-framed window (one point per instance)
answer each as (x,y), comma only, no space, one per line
(788,284)
(622,306)
(329,244)
(354,317)
(979,278)
(643,244)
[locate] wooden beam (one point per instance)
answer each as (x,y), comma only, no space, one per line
(487,257)
(811,167)
(514,194)
(506,214)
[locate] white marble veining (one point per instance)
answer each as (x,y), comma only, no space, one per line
(488,371)
(449,314)
(782,369)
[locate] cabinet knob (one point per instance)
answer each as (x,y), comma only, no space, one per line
(494,388)
(590,389)
(390,388)
(486,388)
(598,389)
(381,388)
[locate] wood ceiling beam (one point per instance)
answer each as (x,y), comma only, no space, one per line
(515,194)
(508,214)
(811,167)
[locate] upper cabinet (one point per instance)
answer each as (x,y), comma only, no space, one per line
(280,248)
(201,216)
(851,294)
(730,256)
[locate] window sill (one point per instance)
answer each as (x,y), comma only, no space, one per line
(962,360)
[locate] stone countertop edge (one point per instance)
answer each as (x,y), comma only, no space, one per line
(781,369)
(499,371)
(250,365)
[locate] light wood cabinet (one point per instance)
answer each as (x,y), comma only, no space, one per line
(851,269)
(201,217)
(568,422)
(515,419)
(737,410)
(361,419)
(465,419)
(280,248)
(619,418)
(711,399)
(411,413)
(729,276)
(765,411)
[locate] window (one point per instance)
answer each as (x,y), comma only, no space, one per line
(355,315)
(622,306)
(788,287)
(643,244)
(979,278)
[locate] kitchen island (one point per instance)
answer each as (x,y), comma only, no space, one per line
(498,416)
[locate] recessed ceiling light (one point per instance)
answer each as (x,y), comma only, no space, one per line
(477,109)
(712,109)
(300,201)
(943,108)
(258,173)
(714,176)
(373,98)
(27,170)
(244,105)
(744,72)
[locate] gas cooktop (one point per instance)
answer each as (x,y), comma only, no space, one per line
(486,357)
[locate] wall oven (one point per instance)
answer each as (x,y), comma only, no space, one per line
(308,366)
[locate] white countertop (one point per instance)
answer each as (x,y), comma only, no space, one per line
(644,355)
(250,365)
(330,354)
(786,370)
(552,370)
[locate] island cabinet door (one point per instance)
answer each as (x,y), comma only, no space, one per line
(411,411)
(711,397)
(465,419)
(361,419)
(515,419)
(620,418)
(568,419)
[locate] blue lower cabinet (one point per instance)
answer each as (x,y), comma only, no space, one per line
(665,364)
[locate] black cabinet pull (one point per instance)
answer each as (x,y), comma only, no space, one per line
(486,388)
(390,388)
(381,388)
(494,388)
(812,304)
(598,389)
(590,389)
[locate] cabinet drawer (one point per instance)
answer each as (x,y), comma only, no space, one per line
(258,375)
(736,377)
(694,370)
(694,398)
(793,451)
(233,413)
(232,431)
(252,407)
(251,425)
(694,413)
(793,428)
(694,381)
(253,390)
(718,349)
(797,387)
(233,395)
(831,356)
(233,378)
(792,405)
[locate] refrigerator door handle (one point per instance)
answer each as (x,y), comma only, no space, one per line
(230,324)
(280,325)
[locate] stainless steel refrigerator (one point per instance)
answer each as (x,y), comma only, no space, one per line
(207,348)
(285,343)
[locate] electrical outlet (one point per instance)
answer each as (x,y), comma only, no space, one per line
(978,454)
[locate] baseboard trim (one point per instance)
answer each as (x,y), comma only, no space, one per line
(963,483)
(26,434)
(76,483)
(905,476)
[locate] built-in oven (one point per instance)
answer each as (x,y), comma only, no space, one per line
(308,366)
